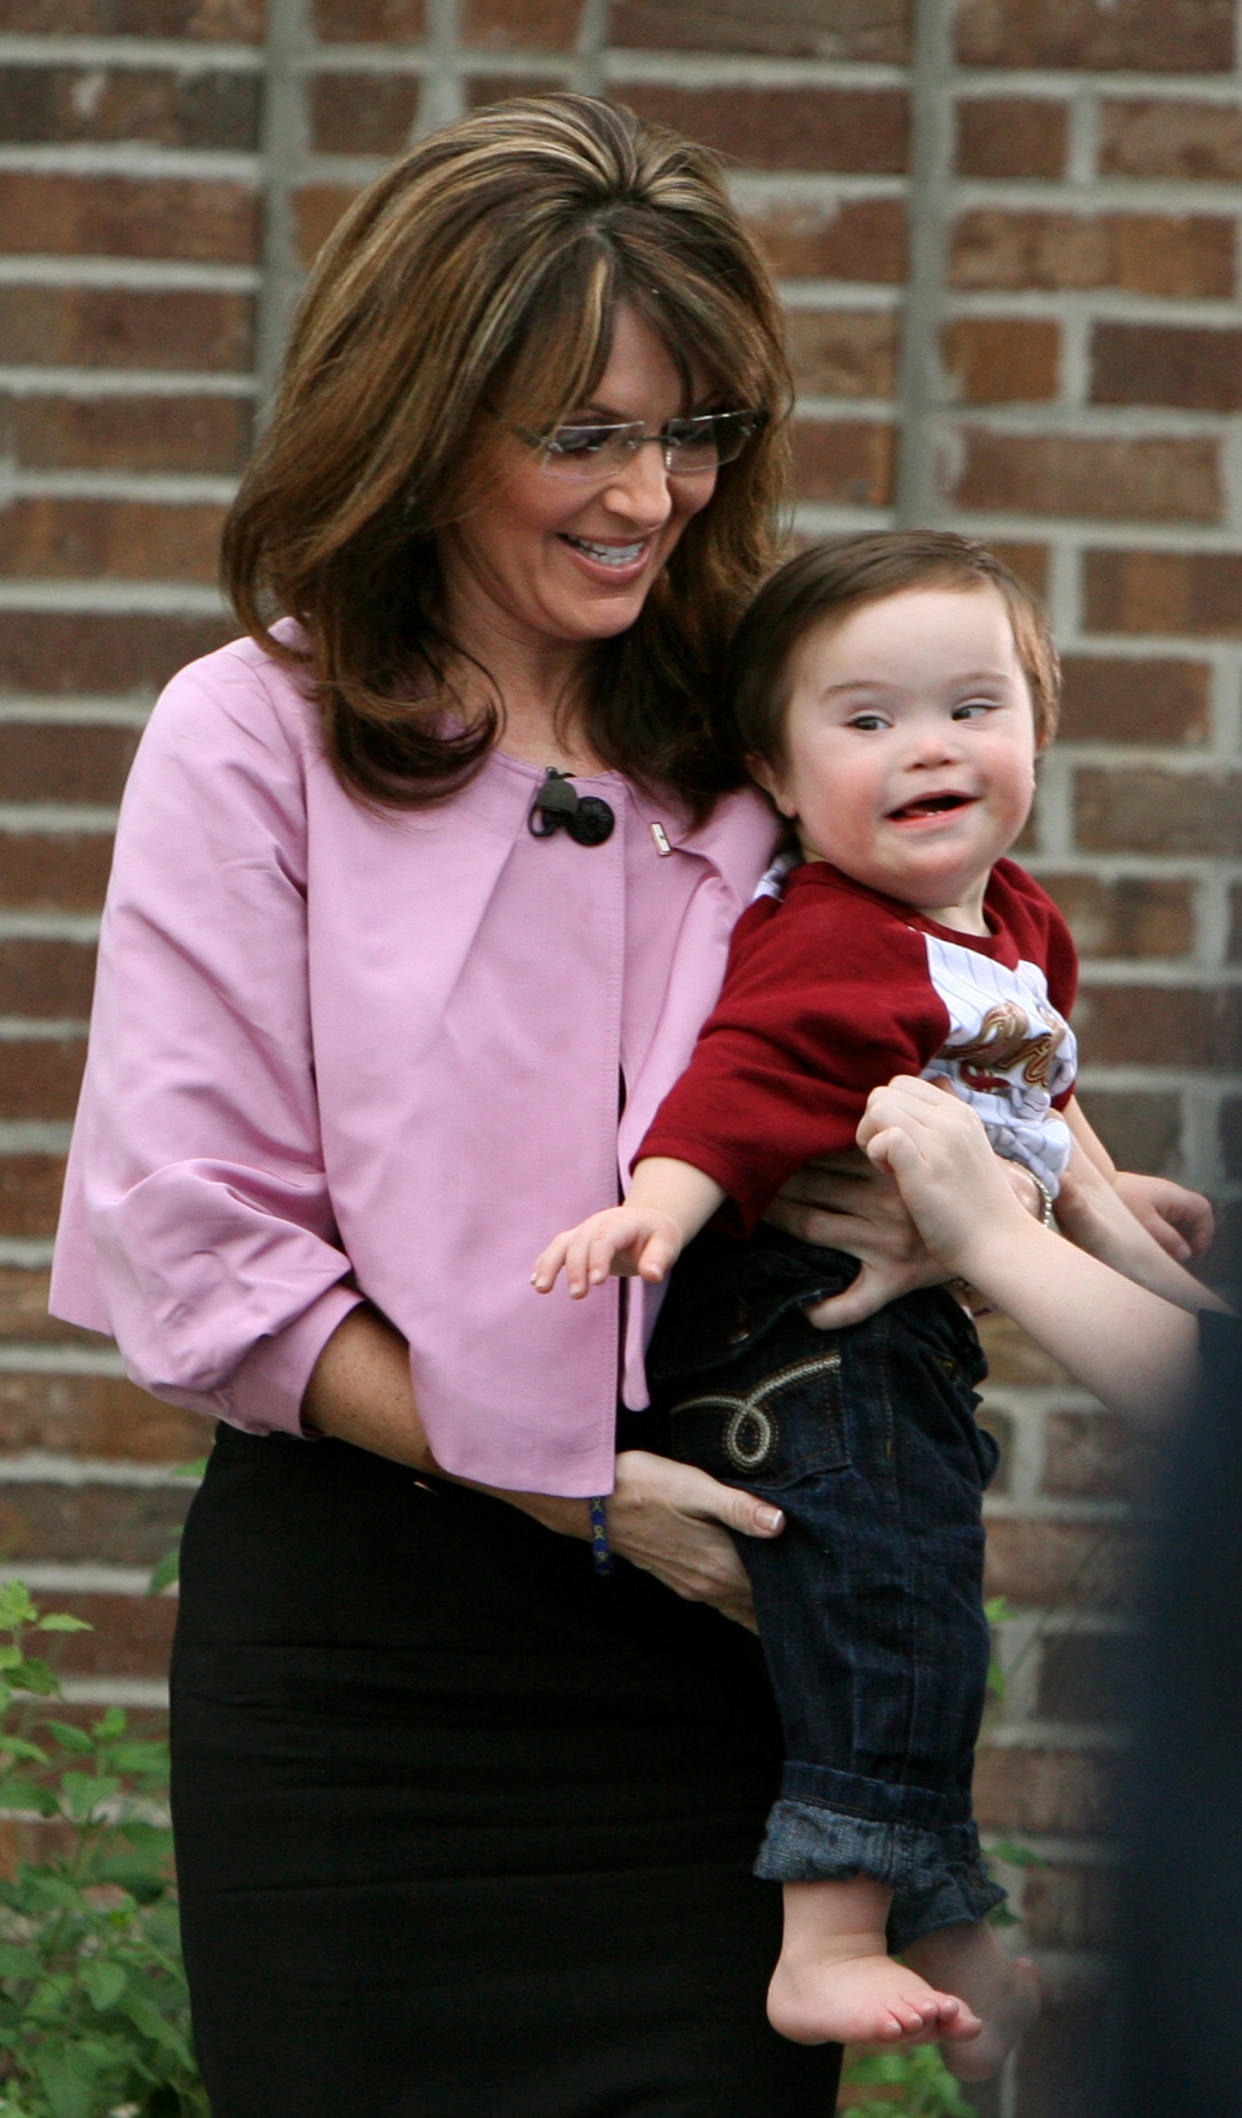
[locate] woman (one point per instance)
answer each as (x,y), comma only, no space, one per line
(415,887)
(461,1825)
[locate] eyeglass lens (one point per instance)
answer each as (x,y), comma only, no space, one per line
(688,445)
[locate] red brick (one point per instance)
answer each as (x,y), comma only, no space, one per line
(1070,1908)
(40,1077)
(848,462)
(1034,1562)
(1171,136)
(30,1188)
(159,107)
(127,327)
(1029,561)
(878,31)
(1085,1677)
(1120,699)
(370,21)
(1186,1027)
(1095,1456)
(1148,36)
(1198,593)
(1159,364)
(843,352)
(130,1636)
(1132,915)
(508,25)
(1014,1360)
(117,1525)
(860,130)
(1137,253)
(23,1303)
(317,209)
(64,761)
(1063,1791)
(1140,1130)
(1235,924)
(60,652)
(206,20)
(127,433)
(48,871)
(1143,810)
(212,220)
(1011,136)
(1002,359)
(46,980)
(96,1416)
(363,113)
(850,238)
(1076,474)
(47,538)
(480,90)
(1001,1427)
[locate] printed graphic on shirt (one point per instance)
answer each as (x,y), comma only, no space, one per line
(1008,1052)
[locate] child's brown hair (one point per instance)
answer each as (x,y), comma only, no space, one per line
(834,577)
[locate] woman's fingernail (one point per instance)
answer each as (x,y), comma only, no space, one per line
(769,1518)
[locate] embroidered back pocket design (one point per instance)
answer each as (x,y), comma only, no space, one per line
(783,1426)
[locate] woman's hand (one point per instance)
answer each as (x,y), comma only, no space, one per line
(845,1202)
(674,1521)
(938,1153)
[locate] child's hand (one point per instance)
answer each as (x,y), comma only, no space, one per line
(1181,1221)
(626,1240)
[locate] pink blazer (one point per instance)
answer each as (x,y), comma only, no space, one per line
(335,1055)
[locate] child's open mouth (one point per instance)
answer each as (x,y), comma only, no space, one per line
(931,805)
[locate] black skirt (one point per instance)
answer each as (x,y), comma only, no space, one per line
(463,1831)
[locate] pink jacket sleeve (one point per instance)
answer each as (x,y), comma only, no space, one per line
(197,1225)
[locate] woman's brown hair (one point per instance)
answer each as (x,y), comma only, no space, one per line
(829,579)
(481,274)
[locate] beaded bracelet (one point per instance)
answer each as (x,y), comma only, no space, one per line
(601,1552)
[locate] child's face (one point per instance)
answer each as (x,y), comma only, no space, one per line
(910,747)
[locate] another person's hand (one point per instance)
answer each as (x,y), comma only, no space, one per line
(935,1148)
(1181,1221)
(628,1240)
(844,1202)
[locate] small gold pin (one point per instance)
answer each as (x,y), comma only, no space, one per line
(660,835)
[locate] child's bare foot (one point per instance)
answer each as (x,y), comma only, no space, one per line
(1003,1991)
(863,2000)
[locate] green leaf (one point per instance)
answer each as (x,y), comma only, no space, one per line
(1014,1855)
(62,1622)
(16,1607)
(34,1675)
(110,1724)
(165,1572)
(21,1747)
(10,1657)
(997,1609)
(196,1469)
(82,1792)
(16,1962)
(104,1982)
(16,1793)
(70,2080)
(146,2017)
(69,1737)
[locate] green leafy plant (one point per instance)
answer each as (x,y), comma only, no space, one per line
(94,2013)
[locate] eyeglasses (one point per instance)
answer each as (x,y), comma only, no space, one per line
(691,448)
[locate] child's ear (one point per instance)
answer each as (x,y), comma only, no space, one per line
(766,776)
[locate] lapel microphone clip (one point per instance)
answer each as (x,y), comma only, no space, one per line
(587,819)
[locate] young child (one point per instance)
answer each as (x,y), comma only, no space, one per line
(891,693)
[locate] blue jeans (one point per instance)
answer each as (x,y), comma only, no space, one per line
(870,1604)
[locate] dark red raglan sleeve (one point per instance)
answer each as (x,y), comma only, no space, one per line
(1042,935)
(826,996)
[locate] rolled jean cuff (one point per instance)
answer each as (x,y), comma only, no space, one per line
(937,1877)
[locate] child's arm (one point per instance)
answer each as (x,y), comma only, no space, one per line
(1133,1350)
(668,1202)
(1179,1221)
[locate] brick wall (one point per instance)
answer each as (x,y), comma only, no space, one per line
(1007,237)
